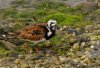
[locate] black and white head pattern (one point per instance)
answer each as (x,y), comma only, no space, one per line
(51,25)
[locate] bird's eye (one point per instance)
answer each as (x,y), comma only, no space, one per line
(52,22)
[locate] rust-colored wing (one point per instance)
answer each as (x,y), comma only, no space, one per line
(33,32)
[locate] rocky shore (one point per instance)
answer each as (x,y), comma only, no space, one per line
(76,49)
(77,40)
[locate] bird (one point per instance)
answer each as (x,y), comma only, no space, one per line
(37,32)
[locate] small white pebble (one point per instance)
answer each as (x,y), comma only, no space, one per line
(4,35)
(91,46)
(83,43)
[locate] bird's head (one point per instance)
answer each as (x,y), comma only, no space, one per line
(52,24)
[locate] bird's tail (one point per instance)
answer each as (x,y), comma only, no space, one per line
(12,37)
(4,34)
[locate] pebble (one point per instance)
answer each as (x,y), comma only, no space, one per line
(57,62)
(62,59)
(24,65)
(21,56)
(73,40)
(79,53)
(89,28)
(54,58)
(83,44)
(17,61)
(87,61)
(15,66)
(93,38)
(93,42)
(87,53)
(76,60)
(32,57)
(76,46)
(92,46)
